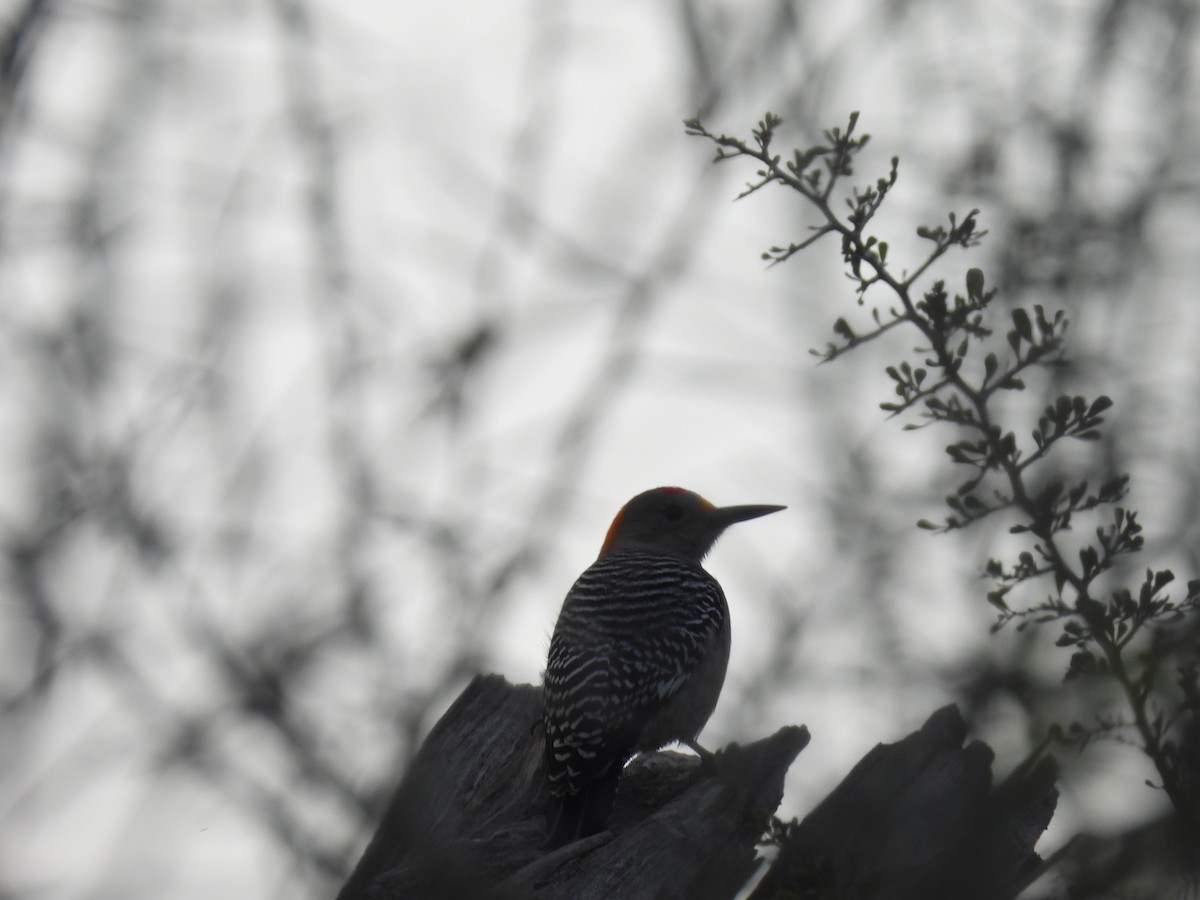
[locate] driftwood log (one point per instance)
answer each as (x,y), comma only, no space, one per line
(918,818)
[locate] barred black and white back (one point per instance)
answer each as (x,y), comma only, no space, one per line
(637,660)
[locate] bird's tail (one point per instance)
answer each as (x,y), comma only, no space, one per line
(578,815)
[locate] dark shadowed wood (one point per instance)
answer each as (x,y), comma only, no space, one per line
(469,817)
(917,818)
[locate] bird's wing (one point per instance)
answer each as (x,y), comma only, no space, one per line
(630,635)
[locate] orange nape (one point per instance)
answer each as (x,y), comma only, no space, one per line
(618,520)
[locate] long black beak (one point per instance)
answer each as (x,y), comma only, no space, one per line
(728,515)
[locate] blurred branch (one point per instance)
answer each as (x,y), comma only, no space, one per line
(18,47)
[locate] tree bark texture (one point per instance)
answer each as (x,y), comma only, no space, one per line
(920,819)
(468,819)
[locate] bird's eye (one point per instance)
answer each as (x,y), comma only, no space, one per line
(673,512)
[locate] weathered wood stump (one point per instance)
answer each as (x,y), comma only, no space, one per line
(913,819)
(920,819)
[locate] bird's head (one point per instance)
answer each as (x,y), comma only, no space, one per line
(674,520)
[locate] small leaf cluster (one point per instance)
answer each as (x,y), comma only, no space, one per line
(1125,636)
(814,172)
(1123,616)
(778,832)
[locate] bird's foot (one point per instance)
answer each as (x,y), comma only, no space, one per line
(709,762)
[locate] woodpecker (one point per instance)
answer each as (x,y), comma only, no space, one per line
(638,655)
